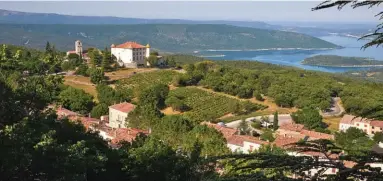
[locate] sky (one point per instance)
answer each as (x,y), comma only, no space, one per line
(267,11)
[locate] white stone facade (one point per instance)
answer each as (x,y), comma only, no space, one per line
(131,54)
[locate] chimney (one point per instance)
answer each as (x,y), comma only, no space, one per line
(285,135)
(128,131)
(115,132)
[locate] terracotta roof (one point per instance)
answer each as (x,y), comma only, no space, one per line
(350,119)
(317,135)
(285,141)
(71,51)
(123,107)
(126,134)
(377,123)
(349,164)
(252,139)
(227,132)
(130,44)
(292,127)
(235,140)
(62,112)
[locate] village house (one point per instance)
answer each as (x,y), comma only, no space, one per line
(131,54)
(113,135)
(235,142)
(298,131)
(369,126)
(118,114)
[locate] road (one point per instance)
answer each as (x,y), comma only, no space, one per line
(282,119)
(335,110)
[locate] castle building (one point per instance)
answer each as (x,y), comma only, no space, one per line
(131,54)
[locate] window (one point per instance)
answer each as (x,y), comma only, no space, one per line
(373,132)
(365,125)
(357,124)
(251,148)
(381,129)
(373,127)
(365,131)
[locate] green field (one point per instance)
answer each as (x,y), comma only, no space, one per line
(140,81)
(205,106)
(340,61)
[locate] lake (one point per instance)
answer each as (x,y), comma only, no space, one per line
(294,57)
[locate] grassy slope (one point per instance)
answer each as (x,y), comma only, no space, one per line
(174,38)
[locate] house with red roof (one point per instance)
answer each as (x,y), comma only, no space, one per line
(369,126)
(79,51)
(131,54)
(235,142)
(119,113)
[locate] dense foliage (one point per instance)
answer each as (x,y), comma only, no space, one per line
(339,61)
(308,117)
(76,100)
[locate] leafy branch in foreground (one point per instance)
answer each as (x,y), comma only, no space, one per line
(377,35)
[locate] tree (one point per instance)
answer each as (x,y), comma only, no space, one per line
(106,95)
(378,137)
(95,57)
(176,103)
(106,60)
(48,48)
(152,60)
(267,136)
(76,100)
(258,96)
(99,110)
(244,128)
(377,35)
(308,117)
(172,129)
(96,76)
(82,70)
(275,121)
(353,141)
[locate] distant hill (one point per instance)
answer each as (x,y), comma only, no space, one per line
(313,29)
(170,37)
(17,17)
(341,61)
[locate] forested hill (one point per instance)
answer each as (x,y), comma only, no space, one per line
(341,61)
(165,37)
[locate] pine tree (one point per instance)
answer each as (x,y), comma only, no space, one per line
(275,121)
(48,48)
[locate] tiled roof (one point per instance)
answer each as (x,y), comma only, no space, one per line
(129,45)
(350,119)
(377,123)
(319,154)
(235,140)
(227,132)
(292,127)
(317,135)
(286,141)
(123,107)
(62,112)
(126,134)
(252,139)
(349,164)
(71,51)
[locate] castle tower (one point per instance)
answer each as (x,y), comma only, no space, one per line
(78,47)
(147,51)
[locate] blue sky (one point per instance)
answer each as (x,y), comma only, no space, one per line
(200,10)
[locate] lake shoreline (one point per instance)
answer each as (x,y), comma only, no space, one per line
(345,66)
(266,49)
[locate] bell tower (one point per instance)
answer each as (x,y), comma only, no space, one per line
(78,47)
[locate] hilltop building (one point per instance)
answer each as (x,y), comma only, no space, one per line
(79,51)
(131,54)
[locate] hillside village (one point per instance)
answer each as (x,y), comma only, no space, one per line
(114,126)
(131,92)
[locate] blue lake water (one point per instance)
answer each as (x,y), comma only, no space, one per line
(294,57)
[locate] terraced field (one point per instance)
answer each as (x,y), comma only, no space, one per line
(205,106)
(142,80)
